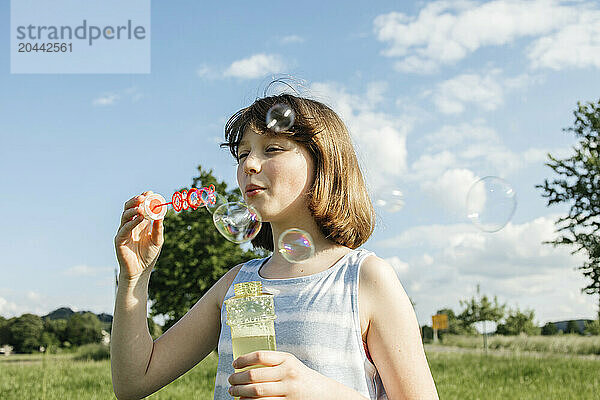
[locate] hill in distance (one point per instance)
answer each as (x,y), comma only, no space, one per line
(66,313)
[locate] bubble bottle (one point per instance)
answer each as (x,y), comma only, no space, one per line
(251,317)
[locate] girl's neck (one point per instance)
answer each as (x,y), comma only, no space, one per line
(326,254)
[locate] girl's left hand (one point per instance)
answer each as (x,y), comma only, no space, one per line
(283,377)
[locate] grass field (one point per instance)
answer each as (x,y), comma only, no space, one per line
(558,344)
(459,374)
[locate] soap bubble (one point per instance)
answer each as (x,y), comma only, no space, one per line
(491,203)
(391,200)
(237,222)
(212,200)
(296,245)
(280,118)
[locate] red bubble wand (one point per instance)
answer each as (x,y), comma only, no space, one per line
(194,198)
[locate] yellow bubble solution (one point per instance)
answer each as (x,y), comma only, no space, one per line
(251,317)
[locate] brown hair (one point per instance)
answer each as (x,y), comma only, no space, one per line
(338,199)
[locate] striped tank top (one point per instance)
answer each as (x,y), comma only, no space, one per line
(317,321)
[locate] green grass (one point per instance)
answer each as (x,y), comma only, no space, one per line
(477,376)
(60,377)
(560,344)
(458,374)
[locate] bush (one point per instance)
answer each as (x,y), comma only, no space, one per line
(93,351)
(83,329)
(25,333)
(592,327)
(518,322)
(549,329)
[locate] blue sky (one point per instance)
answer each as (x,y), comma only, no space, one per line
(435,94)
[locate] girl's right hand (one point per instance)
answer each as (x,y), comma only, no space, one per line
(137,245)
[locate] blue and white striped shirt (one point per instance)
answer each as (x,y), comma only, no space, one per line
(317,321)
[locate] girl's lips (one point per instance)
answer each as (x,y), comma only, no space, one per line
(254,192)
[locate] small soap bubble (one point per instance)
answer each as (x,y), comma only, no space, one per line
(391,200)
(491,203)
(280,118)
(296,245)
(237,222)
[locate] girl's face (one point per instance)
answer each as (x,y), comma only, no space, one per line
(281,166)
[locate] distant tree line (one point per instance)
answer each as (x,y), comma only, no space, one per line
(509,322)
(29,332)
(60,329)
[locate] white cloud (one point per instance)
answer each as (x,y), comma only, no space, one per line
(399,266)
(573,46)
(484,91)
(448,261)
(475,146)
(111,98)
(379,138)
(205,71)
(445,32)
(106,100)
(256,66)
(451,188)
(516,249)
(292,39)
(8,308)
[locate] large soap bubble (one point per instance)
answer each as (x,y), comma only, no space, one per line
(491,203)
(237,222)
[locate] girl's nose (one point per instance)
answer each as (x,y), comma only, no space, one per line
(251,165)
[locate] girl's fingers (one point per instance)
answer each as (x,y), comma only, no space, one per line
(158,232)
(128,214)
(134,201)
(127,227)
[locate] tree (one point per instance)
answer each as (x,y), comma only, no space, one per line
(592,327)
(49,341)
(4,330)
(194,256)
(154,328)
(549,329)
(579,185)
(25,333)
(518,322)
(481,309)
(56,327)
(426,333)
(84,328)
(455,325)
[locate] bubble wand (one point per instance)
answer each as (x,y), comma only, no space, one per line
(236,221)
(154,205)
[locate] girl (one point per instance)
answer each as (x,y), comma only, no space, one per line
(336,339)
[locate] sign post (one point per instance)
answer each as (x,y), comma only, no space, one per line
(439,321)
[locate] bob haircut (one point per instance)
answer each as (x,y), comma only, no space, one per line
(338,199)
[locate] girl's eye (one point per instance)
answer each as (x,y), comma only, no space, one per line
(268,150)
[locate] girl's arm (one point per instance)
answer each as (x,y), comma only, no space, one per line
(139,365)
(394,338)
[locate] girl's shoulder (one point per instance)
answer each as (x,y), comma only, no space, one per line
(374,270)
(375,277)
